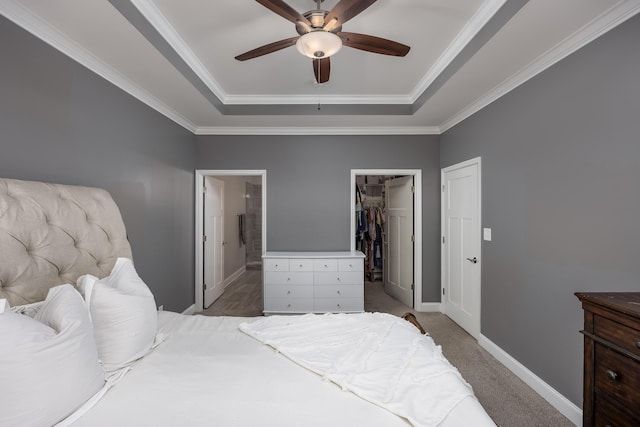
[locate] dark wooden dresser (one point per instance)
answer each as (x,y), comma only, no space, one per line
(611,358)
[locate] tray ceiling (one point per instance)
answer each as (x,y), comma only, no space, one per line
(178,57)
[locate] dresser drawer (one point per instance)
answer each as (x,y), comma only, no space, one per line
(618,376)
(276,264)
(325,305)
(350,264)
(287,278)
(325,264)
(338,278)
(299,264)
(621,335)
(608,414)
(338,291)
(288,291)
(292,305)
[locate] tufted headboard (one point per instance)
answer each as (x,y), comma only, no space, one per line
(51,234)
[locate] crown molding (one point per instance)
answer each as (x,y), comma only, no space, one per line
(314,99)
(613,17)
(477,22)
(149,10)
(224,130)
(26,19)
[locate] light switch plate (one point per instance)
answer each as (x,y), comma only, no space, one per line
(486,234)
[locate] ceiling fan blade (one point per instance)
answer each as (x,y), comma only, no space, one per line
(347,9)
(373,44)
(268,48)
(321,69)
(283,9)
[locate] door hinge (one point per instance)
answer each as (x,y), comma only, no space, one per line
(443,188)
(442,291)
(204,285)
(413,189)
(204,189)
(204,237)
(443,240)
(412,286)
(413,238)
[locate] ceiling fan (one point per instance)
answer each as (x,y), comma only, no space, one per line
(320,34)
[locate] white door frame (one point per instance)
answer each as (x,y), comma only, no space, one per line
(199,188)
(418,305)
(475,161)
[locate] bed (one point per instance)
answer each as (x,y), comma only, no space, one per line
(83,344)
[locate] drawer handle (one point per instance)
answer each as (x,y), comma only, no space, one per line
(288,292)
(300,265)
(638,343)
(350,265)
(338,292)
(338,305)
(288,305)
(326,266)
(612,375)
(288,279)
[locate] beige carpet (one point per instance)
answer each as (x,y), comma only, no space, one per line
(507,399)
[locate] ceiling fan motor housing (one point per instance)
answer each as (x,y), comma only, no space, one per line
(316,17)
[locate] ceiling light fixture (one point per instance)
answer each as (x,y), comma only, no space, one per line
(319,44)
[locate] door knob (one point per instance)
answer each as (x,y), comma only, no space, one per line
(473,260)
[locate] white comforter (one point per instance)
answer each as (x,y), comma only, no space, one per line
(379,357)
(208,373)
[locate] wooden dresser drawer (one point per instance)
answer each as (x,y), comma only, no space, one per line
(338,291)
(618,334)
(325,264)
(334,305)
(287,278)
(283,305)
(300,264)
(608,414)
(276,264)
(611,386)
(338,278)
(617,375)
(288,291)
(350,265)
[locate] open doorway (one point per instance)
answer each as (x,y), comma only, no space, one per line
(230,232)
(386,226)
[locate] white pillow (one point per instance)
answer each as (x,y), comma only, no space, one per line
(123,313)
(48,365)
(29,309)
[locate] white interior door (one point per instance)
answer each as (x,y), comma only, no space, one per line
(398,244)
(213,252)
(461,245)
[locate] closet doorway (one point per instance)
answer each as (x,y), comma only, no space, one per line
(386,225)
(241,240)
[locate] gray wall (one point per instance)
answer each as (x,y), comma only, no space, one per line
(560,177)
(308,186)
(61,123)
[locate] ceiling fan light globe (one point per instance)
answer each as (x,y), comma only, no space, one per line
(319,44)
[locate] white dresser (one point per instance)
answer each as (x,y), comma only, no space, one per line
(320,282)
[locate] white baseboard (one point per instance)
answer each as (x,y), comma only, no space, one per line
(557,400)
(190,310)
(234,275)
(428,307)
